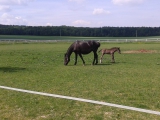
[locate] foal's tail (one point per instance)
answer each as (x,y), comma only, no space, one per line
(100,50)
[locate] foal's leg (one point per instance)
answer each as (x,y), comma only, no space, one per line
(101,58)
(113,58)
(82,58)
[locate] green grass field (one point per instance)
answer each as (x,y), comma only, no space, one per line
(132,81)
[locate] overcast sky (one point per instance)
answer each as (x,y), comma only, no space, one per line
(81,13)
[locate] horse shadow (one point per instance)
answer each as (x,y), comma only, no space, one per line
(118,62)
(11,69)
(104,64)
(111,63)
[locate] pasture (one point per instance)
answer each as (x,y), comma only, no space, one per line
(132,81)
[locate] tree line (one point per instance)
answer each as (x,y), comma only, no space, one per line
(79,31)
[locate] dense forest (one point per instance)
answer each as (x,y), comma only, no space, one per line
(79,31)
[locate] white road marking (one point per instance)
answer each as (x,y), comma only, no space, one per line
(83,100)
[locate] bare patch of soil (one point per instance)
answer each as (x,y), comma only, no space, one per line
(140,51)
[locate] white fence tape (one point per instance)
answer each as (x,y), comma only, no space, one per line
(101,40)
(83,100)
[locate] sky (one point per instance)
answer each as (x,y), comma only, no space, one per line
(81,13)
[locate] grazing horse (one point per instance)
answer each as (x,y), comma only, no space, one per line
(82,47)
(111,52)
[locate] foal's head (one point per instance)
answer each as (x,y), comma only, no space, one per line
(66,59)
(118,49)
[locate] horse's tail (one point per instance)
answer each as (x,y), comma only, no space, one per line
(100,50)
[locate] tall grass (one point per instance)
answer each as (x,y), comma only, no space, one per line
(133,81)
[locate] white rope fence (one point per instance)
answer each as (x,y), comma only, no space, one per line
(83,100)
(100,40)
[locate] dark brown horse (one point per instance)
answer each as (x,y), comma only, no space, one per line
(111,52)
(82,47)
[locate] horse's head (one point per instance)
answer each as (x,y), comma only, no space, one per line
(119,51)
(66,59)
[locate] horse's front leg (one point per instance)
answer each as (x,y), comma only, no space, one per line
(82,59)
(95,58)
(113,58)
(75,59)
